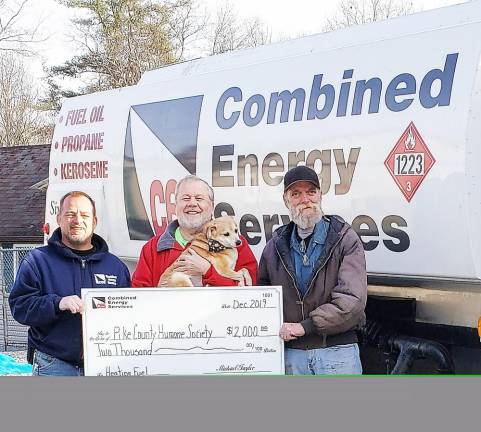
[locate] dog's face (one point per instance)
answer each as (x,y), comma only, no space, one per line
(224,230)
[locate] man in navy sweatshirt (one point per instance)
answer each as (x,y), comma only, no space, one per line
(46,292)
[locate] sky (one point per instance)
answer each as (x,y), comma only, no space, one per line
(283,20)
(307,16)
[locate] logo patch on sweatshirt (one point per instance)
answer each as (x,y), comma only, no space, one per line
(103,279)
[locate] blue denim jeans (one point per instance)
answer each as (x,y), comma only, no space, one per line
(47,365)
(339,359)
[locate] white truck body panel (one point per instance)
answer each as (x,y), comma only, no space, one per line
(421,70)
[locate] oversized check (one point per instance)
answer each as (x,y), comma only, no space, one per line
(182,331)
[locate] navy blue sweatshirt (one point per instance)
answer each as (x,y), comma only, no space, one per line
(54,271)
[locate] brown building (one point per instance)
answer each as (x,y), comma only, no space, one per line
(23,185)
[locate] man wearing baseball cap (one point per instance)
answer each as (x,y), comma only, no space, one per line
(319,261)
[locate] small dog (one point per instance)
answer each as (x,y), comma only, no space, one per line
(217,244)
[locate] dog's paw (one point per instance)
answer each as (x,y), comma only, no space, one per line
(246,276)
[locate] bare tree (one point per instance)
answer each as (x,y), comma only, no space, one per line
(229,33)
(120,39)
(15,37)
(353,12)
(186,23)
(21,121)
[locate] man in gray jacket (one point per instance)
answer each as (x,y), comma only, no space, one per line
(319,262)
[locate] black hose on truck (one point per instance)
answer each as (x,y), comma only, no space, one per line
(409,349)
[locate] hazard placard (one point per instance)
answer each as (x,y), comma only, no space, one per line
(409,161)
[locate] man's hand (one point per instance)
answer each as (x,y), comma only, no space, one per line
(192,264)
(291,331)
(71,303)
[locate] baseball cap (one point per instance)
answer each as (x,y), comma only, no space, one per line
(301,173)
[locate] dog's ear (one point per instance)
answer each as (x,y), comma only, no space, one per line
(210,229)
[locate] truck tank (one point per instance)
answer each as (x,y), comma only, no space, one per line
(388,114)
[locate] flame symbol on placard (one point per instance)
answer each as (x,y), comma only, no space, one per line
(410,142)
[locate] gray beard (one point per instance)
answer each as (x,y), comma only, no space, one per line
(305,222)
(196,224)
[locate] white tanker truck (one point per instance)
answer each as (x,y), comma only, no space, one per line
(388,114)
